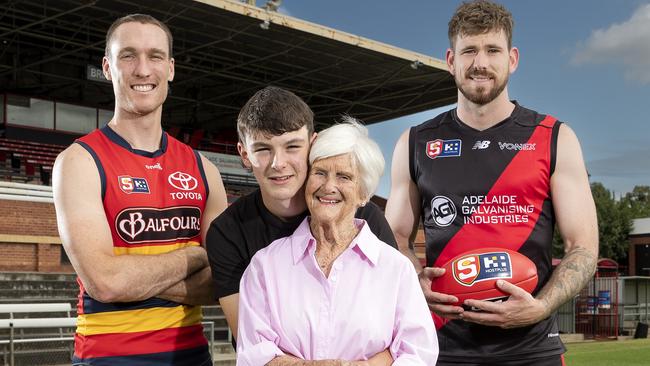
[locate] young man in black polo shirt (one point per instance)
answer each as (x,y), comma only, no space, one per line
(275,130)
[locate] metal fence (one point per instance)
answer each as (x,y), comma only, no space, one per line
(635,302)
(597,315)
(22,349)
(566,317)
(607,307)
(37,351)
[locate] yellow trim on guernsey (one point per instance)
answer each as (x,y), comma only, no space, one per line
(154,249)
(138,320)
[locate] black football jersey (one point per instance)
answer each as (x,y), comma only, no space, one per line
(481,189)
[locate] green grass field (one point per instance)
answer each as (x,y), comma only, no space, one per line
(633,352)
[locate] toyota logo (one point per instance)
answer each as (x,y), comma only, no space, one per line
(182,181)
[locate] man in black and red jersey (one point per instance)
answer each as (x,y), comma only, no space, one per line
(133,206)
(492,173)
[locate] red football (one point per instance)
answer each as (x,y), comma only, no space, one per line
(473,274)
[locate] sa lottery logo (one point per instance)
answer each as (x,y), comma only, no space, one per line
(130,184)
(482,267)
(443,148)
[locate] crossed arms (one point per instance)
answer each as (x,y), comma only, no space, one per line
(182,275)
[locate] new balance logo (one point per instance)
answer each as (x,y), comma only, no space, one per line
(480,145)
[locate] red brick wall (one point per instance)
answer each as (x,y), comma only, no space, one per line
(634,242)
(30,219)
(18,257)
(27,218)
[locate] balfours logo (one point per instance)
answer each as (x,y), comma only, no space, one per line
(146,224)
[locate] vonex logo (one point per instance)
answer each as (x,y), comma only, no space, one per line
(482,267)
(481,145)
(130,184)
(182,181)
(443,148)
(516,147)
(443,211)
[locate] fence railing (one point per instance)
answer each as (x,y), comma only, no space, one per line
(55,348)
(13,324)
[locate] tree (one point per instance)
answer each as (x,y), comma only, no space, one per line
(614,225)
(638,202)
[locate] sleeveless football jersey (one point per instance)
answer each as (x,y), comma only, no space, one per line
(154,203)
(488,188)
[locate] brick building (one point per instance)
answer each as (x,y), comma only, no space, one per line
(639,249)
(29,240)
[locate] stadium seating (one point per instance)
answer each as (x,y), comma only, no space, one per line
(21,160)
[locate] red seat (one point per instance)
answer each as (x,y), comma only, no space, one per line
(196,138)
(30,169)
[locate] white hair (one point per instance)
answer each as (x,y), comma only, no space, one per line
(351,137)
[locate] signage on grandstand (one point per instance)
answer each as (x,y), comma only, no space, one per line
(95,73)
(229,164)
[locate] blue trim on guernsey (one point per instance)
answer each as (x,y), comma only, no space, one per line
(199,163)
(113,136)
(92,306)
(100,167)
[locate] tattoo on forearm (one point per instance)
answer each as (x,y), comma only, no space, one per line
(570,276)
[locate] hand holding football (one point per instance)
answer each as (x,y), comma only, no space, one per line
(473,274)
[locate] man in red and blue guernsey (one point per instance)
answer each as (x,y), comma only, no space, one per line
(492,173)
(133,205)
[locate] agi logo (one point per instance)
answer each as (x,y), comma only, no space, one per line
(443,148)
(129,184)
(443,211)
(482,267)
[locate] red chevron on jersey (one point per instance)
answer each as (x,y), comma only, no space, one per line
(510,236)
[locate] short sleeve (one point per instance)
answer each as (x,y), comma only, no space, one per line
(227,255)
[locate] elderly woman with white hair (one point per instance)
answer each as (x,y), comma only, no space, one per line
(332,293)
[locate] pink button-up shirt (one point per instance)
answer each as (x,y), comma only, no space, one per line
(370,302)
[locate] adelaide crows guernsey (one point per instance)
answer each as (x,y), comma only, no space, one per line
(488,188)
(154,203)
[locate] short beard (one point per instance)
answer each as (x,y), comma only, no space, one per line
(479,97)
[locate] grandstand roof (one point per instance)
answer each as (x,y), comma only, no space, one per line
(223,55)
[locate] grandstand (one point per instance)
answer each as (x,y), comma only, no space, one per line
(52,91)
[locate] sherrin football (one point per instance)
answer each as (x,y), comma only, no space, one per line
(473,274)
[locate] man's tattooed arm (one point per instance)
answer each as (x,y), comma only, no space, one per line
(570,276)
